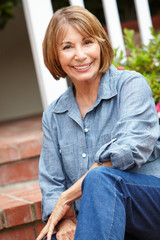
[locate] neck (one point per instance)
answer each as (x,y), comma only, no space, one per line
(86,94)
(87,88)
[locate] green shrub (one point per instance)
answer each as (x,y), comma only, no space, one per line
(6,10)
(145,60)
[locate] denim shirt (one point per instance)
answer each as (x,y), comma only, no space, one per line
(122,126)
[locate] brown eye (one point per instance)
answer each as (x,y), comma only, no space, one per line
(67,47)
(88,42)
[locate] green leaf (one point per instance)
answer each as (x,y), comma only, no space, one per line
(145,60)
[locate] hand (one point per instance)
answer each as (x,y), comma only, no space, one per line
(66,230)
(61,210)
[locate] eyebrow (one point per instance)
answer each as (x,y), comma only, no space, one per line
(68,42)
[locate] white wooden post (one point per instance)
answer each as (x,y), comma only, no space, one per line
(144,19)
(77,2)
(113,24)
(38,14)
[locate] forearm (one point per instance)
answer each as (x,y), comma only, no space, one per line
(63,210)
(75,192)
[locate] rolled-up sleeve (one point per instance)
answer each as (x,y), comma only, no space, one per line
(136,131)
(51,176)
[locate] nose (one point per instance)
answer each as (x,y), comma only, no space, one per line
(80,55)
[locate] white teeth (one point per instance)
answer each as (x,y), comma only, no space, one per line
(83,67)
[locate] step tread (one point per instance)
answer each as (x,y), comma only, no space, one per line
(20,139)
(20,204)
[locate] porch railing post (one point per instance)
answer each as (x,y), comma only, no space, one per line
(144,19)
(38,14)
(77,2)
(113,24)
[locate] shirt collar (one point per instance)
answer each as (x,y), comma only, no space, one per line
(107,89)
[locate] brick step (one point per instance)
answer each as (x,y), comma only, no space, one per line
(20,171)
(20,146)
(20,211)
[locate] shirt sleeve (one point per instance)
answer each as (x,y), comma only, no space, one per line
(51,176)
(137,130)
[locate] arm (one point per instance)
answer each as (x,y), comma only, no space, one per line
(137,130)
(65,229)
(51,176)
(64,204)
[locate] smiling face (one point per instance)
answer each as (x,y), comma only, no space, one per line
(79,55)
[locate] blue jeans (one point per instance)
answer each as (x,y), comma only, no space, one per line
(118,205)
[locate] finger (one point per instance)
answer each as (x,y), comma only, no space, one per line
(43,233)
(50,232)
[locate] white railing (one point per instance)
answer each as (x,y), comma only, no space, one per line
(144,19)
(39,12)
(77,2)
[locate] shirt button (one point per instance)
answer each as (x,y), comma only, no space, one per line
(86,130)
(84,155)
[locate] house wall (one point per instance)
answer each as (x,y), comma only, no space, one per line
(19,91)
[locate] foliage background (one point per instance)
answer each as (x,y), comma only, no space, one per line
(6,10)
(126,9)
(145,60)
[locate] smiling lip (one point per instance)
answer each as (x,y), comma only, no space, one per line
(82,68)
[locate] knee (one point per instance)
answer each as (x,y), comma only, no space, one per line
(106,180)
(99,176)
(94,175)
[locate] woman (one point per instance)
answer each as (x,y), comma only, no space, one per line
(101,140)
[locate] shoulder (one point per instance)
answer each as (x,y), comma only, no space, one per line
(126,80)
(123,76)
(126,76)
(132,81)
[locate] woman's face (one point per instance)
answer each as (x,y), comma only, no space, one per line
(79,56)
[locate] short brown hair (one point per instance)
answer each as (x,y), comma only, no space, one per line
(86,23)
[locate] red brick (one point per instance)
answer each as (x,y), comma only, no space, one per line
(34,196)
(38,210)
(25,233)
(35,185)
(4,200)
(39,227)
(31,195)
(9,153)
(21,135)
(11,203)
(32,147)
(19,171)
(18,191)
(27,193)
(18,215)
